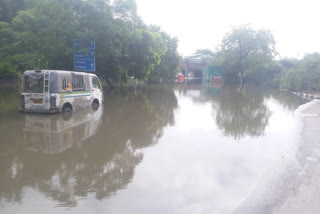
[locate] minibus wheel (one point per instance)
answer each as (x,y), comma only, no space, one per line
(95,105)
(67,111)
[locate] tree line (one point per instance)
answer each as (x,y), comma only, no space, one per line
(249,55)
(39,34)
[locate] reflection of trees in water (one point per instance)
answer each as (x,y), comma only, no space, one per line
(103,164)
(85,172)
(241,113)
(287,100)
(139,117)
(190,88)
(11,136)
(72,174)
(10,100)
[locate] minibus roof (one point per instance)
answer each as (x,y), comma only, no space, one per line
(57,71)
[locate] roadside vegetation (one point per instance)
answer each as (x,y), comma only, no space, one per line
(39,34)
(249,56)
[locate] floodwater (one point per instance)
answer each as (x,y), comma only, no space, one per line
(189,148)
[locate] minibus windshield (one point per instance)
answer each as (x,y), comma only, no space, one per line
(33,83)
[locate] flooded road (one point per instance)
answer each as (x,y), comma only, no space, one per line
(191,148)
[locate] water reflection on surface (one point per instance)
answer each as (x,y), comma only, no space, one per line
(54,134)
(239,113)
(196,149)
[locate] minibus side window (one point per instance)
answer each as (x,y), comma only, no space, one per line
(77,82)
(95,83)
(66,84)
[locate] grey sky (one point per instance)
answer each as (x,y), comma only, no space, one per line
(203,23)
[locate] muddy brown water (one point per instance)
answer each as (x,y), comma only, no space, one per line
(188,148)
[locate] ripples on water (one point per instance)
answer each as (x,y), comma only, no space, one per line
(190,148)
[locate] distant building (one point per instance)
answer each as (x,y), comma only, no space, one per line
(193,68)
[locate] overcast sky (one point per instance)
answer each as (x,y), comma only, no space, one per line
(202,23)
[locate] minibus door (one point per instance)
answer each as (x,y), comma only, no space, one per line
(96,89)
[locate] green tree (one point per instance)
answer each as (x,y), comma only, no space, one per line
(126,10)
(8,71)
(146,52)
(139,50)
(170,61)
(9,9)
(41,37)
(243,51)
(205,55)
(303,74)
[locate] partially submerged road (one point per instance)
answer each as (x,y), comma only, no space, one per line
(306,197)
(293,188)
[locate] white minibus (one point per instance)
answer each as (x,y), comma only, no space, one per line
(53,91)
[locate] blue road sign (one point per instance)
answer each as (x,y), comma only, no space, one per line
(88,54)
(85,44)
(84,65)
(84,55)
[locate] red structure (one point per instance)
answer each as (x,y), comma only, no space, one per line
(180,78)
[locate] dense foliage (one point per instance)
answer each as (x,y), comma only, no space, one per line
(302,74)
(39,34)
(248,55)
(245,51)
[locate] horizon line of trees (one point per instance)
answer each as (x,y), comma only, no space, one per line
(39,34)
(248,55)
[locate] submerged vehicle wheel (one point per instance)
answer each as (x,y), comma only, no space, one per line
(67,109)
(95,105)
(66,112)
